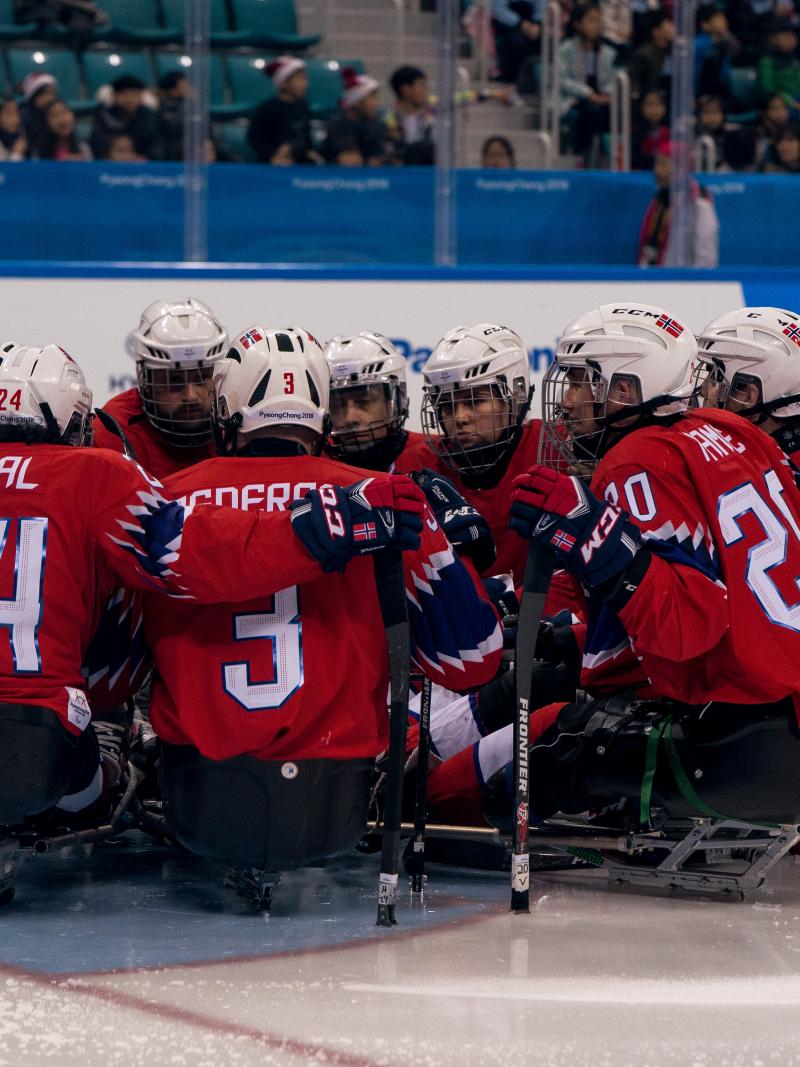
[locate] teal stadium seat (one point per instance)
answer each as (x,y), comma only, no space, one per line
(249,85)
(222,36)
(101,68)
(324,86)
(169,61)
(232,137)
(745,90)
(59,62)
(132,23)
(10,30)
(271,24)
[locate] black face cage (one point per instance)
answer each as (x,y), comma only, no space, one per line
(483,456)
(381,438)
(565,445)
(182,431)
(711,383)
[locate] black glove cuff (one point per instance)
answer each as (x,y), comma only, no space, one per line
(617,591)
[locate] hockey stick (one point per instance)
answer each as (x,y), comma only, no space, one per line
(538,571)
(111,424)
(421,802)
(391,585)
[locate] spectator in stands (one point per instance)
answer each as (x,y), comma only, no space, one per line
(775,115)
(347,153)
(711,123)
(641,12)
(284,119)
(358,121)
(785,157)
(58,140)
(410,124)
(517,29)
(13,142)
(173,89)
(715,48)
(79,18)
(38,90)
(617,23)
(497,153)
(122,150)
(779,70)
(649,129)
(740,150)
(587,74)
(651,65)
(654,248)
(128,114)
(750,21)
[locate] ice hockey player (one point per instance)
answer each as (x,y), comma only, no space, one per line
(687,544)
(750,360)
(167,417)
(369,408)
(271,713)
(79,522)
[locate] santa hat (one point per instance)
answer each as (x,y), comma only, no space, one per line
(33,82)
(283,68)
(356,87)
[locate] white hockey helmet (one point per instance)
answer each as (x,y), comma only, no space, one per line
(621,342)
(43,396)
(754,345)
(369,374)
(271,381)
(468,365)
(175,346)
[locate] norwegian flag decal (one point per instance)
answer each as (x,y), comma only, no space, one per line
(671,326)
(792,331)
(561,539)
(248,339)
(364,531)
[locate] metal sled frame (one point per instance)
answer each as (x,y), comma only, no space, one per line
(20,845)
(719,858)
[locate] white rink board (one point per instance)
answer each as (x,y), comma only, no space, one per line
(91,317)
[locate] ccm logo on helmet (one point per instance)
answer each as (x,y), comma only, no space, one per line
(494,329)
(637,311)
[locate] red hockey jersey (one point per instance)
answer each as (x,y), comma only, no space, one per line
(304,673)
(717,614)
(76,524)
(153,451)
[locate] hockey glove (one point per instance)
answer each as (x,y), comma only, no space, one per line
(336,524)
(593,538)
(556,642)
(465,528)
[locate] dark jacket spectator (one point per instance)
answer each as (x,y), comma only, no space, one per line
(58,141)
(740,150)
(651,65)
(779,70)
(775,115)
(173,89)
(281,126)
(784,157)
(38,90)
(410,123)
(78,17)
(358,121)
(127,115)
(13,142)
(715,48)
(711,124)
(649,129)
(517,29)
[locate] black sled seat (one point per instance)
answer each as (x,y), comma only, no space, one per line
(37,757)
(267,815)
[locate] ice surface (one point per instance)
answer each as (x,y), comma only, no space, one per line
(135,955)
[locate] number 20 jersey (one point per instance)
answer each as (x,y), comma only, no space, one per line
(717,614)
(303,674)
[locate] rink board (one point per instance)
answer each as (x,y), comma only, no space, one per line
(89,310)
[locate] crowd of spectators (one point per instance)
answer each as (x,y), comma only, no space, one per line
(756,132)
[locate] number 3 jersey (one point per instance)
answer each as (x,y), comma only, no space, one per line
(303,674)
(716,614)
(78,523)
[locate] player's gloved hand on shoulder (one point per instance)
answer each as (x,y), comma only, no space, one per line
(336,524)
(592,538)
(464,526)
